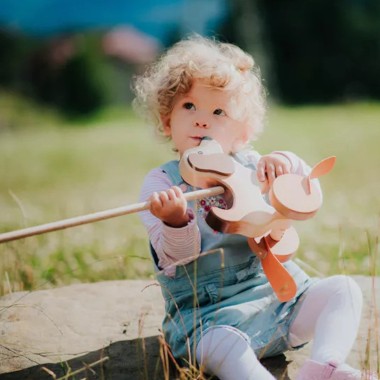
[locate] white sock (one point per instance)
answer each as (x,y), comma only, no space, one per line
(330,314)
(224,351)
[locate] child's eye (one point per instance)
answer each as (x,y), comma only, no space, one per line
(220,112)
(189,106)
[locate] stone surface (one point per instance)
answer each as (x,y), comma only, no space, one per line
(116,324)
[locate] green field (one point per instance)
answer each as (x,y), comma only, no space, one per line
(51,169)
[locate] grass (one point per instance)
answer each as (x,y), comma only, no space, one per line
(55,170)
(52,169)
(336,239)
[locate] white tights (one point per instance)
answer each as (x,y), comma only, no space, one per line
(330,313)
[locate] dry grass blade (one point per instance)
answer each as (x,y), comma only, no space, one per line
(51,373)
(86,366)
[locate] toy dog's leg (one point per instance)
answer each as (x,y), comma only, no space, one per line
(271,254)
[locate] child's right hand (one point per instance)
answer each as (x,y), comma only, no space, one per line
(270,167)
(170,206)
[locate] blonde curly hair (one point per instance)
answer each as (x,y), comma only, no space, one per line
(219,65)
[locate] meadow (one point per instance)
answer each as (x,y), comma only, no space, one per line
(51,169)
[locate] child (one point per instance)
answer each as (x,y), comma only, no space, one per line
(220,308)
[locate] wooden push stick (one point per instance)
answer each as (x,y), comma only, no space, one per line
(97,216)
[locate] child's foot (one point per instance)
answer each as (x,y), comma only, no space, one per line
(313,370)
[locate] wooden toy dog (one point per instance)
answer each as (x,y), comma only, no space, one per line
(267,227)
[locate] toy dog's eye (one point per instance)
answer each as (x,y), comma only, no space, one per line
(189,106)
(219,112)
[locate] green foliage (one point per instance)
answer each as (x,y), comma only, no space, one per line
(323,51)
(14,50)
(77,85)
(311,51)
(70,73)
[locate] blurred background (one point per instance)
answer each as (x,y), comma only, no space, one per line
(79,56)
(70,144)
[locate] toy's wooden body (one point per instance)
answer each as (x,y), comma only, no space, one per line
(248,213)
(268,228)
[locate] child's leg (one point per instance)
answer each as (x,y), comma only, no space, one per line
(224,351)
(330,314)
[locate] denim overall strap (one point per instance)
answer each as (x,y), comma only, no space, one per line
(242,159)
(171,169)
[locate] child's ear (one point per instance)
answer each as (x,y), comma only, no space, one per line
(165,120)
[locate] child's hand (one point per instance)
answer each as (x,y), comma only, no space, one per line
(170,206)
(271,166)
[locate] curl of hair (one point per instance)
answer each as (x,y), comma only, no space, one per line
(220,65)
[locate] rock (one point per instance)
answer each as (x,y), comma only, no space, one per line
(79,324)
(111,330)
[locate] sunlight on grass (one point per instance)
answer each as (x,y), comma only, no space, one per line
(51,169)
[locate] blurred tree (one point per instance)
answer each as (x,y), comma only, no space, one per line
(76,73)
(14,50)
(244,27)
(68,73)
(323,50)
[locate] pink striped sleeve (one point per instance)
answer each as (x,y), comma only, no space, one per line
(172,245)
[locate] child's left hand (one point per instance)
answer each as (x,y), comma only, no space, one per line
(270,167)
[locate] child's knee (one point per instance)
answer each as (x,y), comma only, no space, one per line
(219,336)
(341,284)
(218,342)
(226,352)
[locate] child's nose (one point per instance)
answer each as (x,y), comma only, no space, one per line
(202,124)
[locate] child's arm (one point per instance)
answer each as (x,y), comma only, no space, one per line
(171,243)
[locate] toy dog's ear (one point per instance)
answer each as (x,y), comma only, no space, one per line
(219,163)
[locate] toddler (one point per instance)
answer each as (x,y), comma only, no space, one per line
(220,308)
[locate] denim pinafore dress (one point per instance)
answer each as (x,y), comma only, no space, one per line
(225,285)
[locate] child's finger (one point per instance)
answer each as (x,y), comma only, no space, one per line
(178,191)
(154,198)
(155,202)
(285,169)
(163,196)
(271,173)
(171,194)
(260,171)
(264,187)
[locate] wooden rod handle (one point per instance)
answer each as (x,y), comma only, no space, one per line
(97,216)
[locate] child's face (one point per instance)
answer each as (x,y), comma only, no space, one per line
(204,111)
